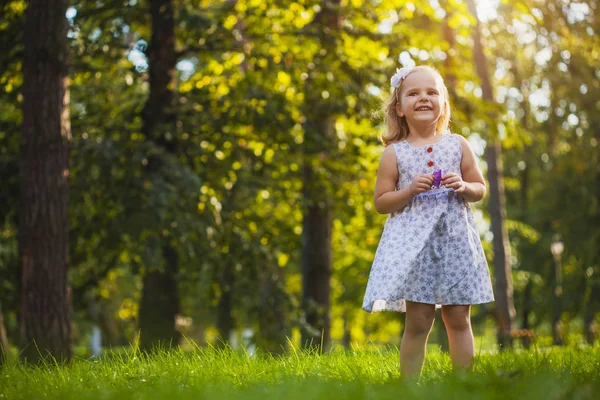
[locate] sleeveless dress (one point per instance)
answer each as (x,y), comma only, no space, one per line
(429,251)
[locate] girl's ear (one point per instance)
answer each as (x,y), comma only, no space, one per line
(445,108)
(399,110)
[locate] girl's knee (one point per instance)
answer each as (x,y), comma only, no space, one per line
(457,324)
(419,319)
(456,318)
(419,326)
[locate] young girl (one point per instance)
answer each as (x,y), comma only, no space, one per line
(430,255)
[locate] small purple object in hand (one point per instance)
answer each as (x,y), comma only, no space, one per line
(437,178)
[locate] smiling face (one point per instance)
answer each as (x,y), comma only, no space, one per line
(421,100)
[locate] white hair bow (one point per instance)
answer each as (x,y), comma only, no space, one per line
(399,76)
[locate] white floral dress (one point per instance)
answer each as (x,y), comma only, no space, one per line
(430,251)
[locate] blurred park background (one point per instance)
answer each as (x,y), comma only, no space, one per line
(197,170)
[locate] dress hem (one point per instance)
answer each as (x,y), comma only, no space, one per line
(383,308)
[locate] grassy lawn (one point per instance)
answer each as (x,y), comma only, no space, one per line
(206,373)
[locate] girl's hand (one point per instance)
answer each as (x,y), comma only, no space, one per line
(455,182)
(420,184)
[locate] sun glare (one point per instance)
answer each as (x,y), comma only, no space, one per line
(486,9)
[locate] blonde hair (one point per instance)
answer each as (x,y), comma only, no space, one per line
(396,127)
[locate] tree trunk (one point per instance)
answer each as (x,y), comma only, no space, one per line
(160,297)
(524,201)
(112,334)
(316,269)
(526,310)
(347,338)
(3,339)
(557,309)
(273,330)
(450,37)
(158,114)
(502,268)
(317,220)
(589,319)
(160,305)
(225,320)
(45,321)
(593,306)
(527,292)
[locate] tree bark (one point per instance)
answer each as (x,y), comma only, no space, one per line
(45,321)
(316,267)
(502,268)
(316,251)
(273,329)
(160,305)
(160,299)
(317,221)
(158,114)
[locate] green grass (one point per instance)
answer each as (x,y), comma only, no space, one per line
(207,373)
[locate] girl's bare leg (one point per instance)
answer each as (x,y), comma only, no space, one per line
(419,320)
(457,319)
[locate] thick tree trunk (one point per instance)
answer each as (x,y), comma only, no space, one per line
(316,244)
(160,304)
(502,268)
(317,221)
(159,114)
(273,329)
(316,269)
(45,321)
(160,299)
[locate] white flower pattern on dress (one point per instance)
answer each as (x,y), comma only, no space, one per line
(430,251)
